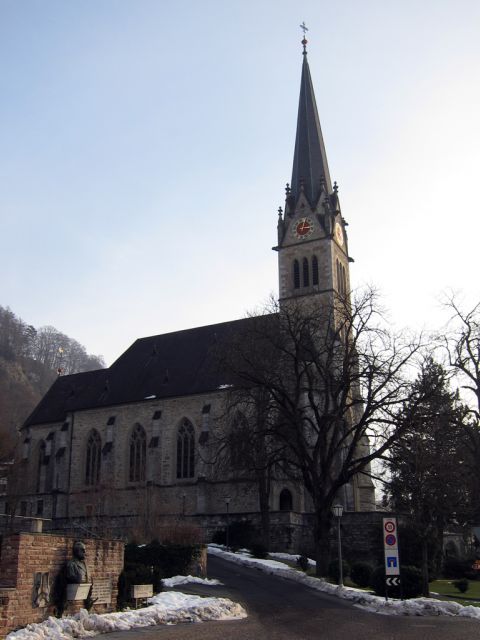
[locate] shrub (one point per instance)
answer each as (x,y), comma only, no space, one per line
(220,537)
(457,568)
(241,533)
(411,586)
(259,550)
(361,573)
(333,572)
(462,585)
(302,562)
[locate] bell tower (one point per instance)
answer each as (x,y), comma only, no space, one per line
(313,260)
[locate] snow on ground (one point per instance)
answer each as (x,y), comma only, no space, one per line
(291,557)
(363,600)
(178,580)
(170,607)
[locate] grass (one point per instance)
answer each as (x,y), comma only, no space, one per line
(446,588)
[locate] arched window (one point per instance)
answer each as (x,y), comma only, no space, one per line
(296,274)
(42,462)
(93,459)
(186,450)
(306,273)
(314,270)
(138,452)
(341,279)
(286,501)
(240,445)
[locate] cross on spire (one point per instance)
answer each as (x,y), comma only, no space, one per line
(304,28)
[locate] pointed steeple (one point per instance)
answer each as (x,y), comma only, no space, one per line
(310,167)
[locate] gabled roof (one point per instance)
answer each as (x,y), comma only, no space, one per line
(181,363)
(310,165)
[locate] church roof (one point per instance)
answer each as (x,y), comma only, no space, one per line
(175,364)
(310,165)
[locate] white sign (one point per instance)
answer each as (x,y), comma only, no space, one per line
(142,590)
(390,545)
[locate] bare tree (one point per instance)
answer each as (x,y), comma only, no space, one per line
(462,345)
(335,377)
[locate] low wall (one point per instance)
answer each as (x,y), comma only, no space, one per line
(30,564)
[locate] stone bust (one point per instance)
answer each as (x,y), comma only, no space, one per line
(77,571)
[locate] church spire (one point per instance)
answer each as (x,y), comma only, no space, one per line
(310,167)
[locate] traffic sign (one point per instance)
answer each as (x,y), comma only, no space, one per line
(390,545)
(389,526)
(393,581)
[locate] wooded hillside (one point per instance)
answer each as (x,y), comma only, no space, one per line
(30,360)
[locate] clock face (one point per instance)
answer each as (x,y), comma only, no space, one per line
(339,234)
(303,228)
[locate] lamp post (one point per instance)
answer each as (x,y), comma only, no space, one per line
(337,512)
(227,504)
(184,495)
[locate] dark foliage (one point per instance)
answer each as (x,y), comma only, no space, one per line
(458,568)
(411,587)
(462,585)
(303,563)
(361,573)
(259,550)
(241,534)
(333,569)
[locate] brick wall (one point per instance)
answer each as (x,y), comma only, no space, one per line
(25,554)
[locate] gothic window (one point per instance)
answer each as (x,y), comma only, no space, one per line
(314,270)
(93,459)
(296,274)
(341,279)
(286,501)
(42,461)
(306,273)
(239,442)
(138,453)
(186,450)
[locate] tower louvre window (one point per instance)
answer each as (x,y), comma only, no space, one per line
(341,279)
(306,273)
(296,274)
(314,270)
(138,450)
(186,450)
(93,459)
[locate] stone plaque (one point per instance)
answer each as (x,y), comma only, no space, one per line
(102,591)
(142,590)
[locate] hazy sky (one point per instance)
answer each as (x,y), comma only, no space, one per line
(145,145)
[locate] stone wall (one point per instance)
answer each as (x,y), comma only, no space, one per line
(27,557)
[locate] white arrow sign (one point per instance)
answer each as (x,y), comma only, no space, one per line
(393,582)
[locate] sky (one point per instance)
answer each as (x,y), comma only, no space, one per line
(145,146)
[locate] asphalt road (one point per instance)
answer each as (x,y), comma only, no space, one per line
(279,609)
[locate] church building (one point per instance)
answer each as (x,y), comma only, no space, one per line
(108,450)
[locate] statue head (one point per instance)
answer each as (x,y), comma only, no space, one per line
(79,550)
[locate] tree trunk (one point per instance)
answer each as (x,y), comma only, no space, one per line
(322,543)
(264,495)
(425,585)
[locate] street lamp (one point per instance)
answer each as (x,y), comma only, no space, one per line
(184,495)
(337,512)
(227,504)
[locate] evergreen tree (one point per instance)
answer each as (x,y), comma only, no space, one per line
(428,463)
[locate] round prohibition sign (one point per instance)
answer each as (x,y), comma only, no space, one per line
(390,527)
(390,539)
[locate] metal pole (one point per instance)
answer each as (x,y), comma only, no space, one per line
(340,562)
(228,527)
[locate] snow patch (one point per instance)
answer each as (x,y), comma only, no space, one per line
(178,580)
(170,607)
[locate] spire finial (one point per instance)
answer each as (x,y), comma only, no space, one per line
(304,28)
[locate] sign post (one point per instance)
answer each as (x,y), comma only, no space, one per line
(392,560)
